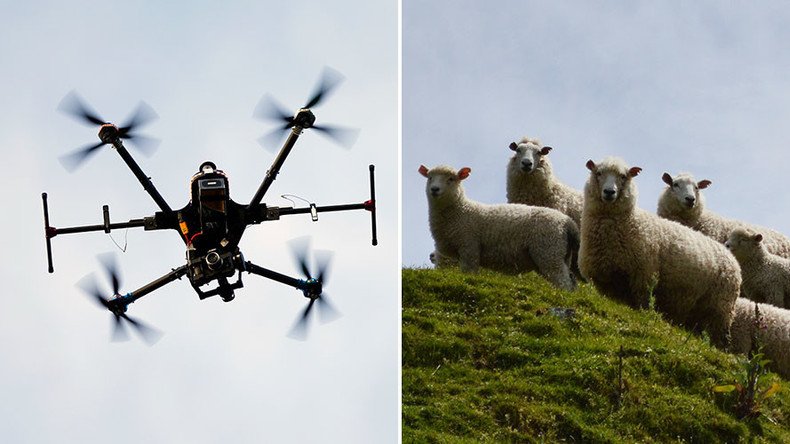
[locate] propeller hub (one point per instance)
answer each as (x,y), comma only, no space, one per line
(117,305)
(304,118)
(108,133)
(312,288)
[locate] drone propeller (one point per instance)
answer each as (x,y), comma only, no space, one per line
(314,292)
(269,109)
(74,106)
(116,305)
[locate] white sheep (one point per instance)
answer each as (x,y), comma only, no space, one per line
(766,276)
(530,180)
(440,261)
(629,253)
(772,331)
(505,237)
(683,202)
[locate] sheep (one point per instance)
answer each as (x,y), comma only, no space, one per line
(630,254)
(771,330)
(440,261)
(504,237)
(530,180)
(766,276)
(683,202)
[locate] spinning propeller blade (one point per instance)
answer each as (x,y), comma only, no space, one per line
(330,79)
(345,137)
(74,159)
(74,106)
(118,309)
(326,310)
(270,109)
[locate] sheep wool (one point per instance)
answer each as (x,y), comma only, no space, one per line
(629,253)
(771,330)
(505,237)
(530,180)
(766,276)
(683,202)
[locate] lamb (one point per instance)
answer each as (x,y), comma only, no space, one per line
(530,180)
(766,276)
(629,253)
(682,202)
(505,237)
(772,331)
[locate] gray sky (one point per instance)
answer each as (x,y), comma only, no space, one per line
(222,372)
(672,86)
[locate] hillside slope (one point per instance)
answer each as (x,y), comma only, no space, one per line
(497,358)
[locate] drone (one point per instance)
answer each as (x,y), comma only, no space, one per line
(211,224)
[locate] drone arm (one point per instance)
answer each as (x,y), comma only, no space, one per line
(275,276)
(144,180)
(159,221)
(274,170)
(175,274)
(273,213)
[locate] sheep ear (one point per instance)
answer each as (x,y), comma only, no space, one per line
(702,184)
(758,237)
(464,173)
(667,179)
(634,171)
(423,170)
(513,146)
(545,150)
(591,165)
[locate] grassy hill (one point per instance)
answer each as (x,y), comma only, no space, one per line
(496,358)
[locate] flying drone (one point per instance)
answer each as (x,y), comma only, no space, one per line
(211,224)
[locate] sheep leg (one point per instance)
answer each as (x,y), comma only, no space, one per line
(554,269)
(719,330)
(469,257)
(639,284)
(775,297)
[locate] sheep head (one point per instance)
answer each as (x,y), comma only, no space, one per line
(610,182)
(685,190)
(444,181)
(744,243)
(529,157)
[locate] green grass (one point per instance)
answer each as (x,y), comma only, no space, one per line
(486,360)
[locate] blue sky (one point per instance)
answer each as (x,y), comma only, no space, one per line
(222,372)
(673,86)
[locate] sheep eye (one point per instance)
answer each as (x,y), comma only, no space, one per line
(622,176)
(675,185)
(597,174)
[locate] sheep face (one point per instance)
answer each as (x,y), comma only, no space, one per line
(528,156)
(443,181)
(684,189)
(744,243)
(610,180)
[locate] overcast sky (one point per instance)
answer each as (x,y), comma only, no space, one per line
(223,372)
(702,87)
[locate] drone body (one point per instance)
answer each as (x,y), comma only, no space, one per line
(211,224)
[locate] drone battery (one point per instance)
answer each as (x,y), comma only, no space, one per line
(213,193)
(212,189)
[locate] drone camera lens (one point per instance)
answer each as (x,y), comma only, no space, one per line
(213,260)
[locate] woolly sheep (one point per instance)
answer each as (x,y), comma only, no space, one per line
(530,180)
(772,331)
(627,253)
(683,202)
(766,276)
(504,237)
(440,261)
